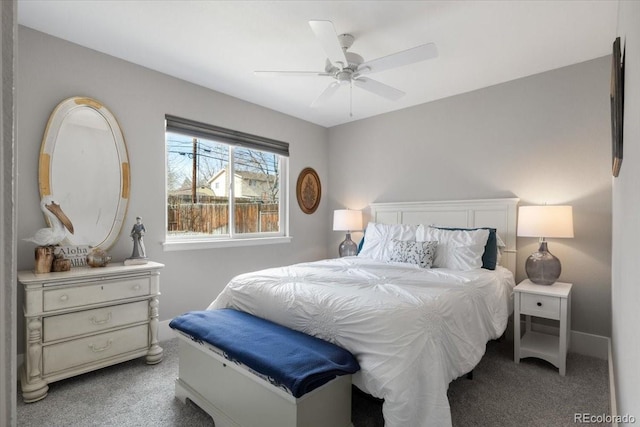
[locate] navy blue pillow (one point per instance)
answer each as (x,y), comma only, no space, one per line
(490,255)
(360,244)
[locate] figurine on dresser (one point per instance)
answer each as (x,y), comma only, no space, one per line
(139,254)
(46,238)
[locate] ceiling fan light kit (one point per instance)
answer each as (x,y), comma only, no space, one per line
(349,67)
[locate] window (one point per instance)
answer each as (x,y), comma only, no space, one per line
(224,187)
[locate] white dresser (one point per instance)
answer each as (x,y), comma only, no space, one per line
(87,318)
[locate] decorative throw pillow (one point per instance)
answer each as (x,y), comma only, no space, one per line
(419,253)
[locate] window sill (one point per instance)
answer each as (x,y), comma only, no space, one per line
(188,245)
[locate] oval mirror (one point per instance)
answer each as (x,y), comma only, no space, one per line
(84,167)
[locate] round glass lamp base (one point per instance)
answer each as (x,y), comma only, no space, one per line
(348,247)
(542,267)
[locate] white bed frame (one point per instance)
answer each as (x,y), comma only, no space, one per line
(496,213)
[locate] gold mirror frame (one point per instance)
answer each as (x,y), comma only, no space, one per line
(84,167)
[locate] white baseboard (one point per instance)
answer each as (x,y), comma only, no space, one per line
(580,342)
(590,345)
(165,333)
(612,386)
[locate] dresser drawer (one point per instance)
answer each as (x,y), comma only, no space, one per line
(72,354)
(91,321)
(540,305)
(80,295)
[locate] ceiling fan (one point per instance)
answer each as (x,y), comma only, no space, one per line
(350,68)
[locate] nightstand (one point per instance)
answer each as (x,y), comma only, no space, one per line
(549,302)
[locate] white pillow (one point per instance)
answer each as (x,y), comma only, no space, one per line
(500,244)
(457,249)
(378,237)
(412,252)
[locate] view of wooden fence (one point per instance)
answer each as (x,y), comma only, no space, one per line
(213,218)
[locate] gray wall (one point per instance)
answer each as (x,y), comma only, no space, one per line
(626,226)
(544,139)
(50,70)
(8,312)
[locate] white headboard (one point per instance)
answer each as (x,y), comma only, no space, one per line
(496,213)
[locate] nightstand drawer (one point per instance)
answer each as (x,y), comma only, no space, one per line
(56,299)
(540,305)
(90,321)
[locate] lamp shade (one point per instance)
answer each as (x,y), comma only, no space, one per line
(347,220)
(545,221)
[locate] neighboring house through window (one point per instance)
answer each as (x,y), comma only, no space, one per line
(224,187)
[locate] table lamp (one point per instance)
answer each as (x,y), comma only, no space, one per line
(542,267)
(347,220)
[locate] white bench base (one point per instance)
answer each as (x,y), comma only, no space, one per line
(235,397)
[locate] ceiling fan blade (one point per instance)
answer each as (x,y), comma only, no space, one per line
(291,73)
(398,59)
(326,34)
(326,94)
(378,88)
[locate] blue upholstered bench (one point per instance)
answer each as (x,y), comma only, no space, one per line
(246,371)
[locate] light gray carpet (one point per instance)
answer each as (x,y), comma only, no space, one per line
(500,394)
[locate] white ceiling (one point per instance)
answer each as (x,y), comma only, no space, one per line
(218,44)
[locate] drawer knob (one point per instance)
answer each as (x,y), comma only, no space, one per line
(136,288)
(95,321)
(539,304)
(100,349)
(64,298)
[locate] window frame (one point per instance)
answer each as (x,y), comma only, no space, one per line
(233,140)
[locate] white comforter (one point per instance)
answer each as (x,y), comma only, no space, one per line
(412,330)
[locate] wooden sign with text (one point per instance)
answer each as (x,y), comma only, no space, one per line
(76,254)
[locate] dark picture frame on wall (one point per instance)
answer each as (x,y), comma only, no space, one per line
(308,190)
(617,106)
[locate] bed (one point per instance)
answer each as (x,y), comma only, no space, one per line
(412,329)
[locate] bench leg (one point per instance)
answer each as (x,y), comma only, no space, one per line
(180,392)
